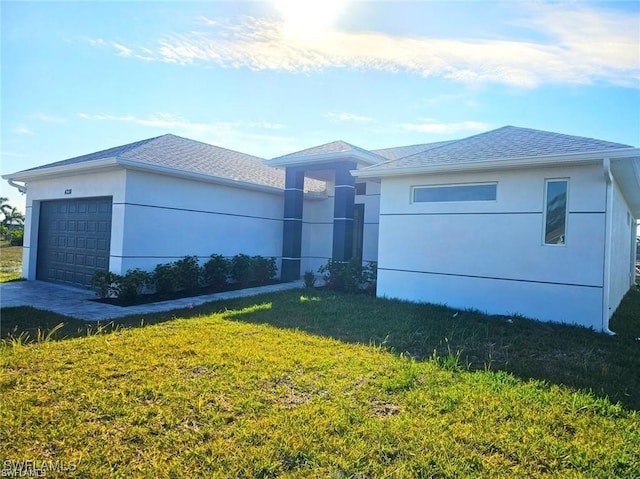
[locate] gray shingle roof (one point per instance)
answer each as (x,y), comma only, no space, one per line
(508,142)
(183,154)
(398,152)
(328,148)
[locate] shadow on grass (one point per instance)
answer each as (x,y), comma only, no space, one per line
(558,354)
(468,340)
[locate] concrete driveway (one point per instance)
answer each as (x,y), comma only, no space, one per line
(77,303)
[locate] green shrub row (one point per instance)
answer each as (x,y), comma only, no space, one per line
(349,276)
(185,274)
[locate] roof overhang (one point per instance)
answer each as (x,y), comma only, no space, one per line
(102,165)
(362,158)
(112,164)
(380,171)
(626,172)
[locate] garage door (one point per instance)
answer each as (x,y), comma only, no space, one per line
(73,239)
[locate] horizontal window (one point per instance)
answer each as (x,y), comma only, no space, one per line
(437,194)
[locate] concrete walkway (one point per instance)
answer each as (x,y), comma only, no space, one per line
(77,302)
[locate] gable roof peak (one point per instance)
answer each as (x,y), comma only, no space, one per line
(332,151)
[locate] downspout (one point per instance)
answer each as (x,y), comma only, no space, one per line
(21,188)
(608,234)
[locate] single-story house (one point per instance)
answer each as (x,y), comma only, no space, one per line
(511,221)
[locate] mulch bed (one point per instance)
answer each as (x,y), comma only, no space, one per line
(156,297)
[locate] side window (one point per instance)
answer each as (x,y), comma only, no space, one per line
(450,193)
(555,214)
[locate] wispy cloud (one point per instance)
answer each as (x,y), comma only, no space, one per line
(432,127)
(584,45)
(48,118)
(170,121)
(239,135)
(122,50)
(21,130)
(12,154)
(341,116)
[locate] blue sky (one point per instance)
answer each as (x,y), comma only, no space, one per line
(269,78)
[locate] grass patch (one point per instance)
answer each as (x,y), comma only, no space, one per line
(626,320)
(10,262)
(322,385)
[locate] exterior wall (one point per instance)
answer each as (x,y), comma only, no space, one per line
(110,183)
(371,201)
(490,255)
(158,219)
(167,218)
(622,250)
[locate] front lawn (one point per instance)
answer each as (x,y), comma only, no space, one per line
(313,384)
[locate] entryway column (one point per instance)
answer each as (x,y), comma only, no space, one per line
(292,229)
(345,194)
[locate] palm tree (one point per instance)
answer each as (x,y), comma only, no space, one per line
(4,206)
(12,216)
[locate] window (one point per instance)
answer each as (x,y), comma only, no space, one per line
(438,194)
(555,217)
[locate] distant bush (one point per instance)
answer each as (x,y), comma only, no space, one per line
(185,274)
(242,269)
(165,278)
(104,283)
(188,273)
(264,269)
(309,279)
(216,271)
(17,237)
(132,284)
(370,276)
(349,276)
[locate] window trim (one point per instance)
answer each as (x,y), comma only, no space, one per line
(453,185)
(545,209)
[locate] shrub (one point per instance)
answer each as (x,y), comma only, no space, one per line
(104,283)
(352,275)
(349,276)
(264,269)
(332,273)
(215,271)
(188,273)
(242,269)
(165,278)
(370,276)
(309,279)
(132,284)
(17,237)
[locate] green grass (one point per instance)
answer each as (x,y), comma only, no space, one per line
(311,384)
(10,262)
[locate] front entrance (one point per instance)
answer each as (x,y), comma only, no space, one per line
(343,211)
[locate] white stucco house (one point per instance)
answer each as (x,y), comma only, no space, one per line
(511,221)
